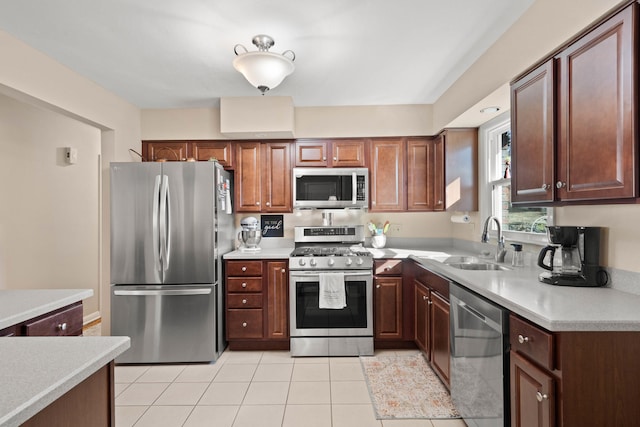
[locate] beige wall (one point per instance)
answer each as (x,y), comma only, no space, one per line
(30,76)
(49,212)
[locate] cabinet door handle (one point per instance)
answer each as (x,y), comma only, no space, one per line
(244,284)
(324,159)
(439,202)
(244,324)
(424,298)
(429,302)
(283,271)
(335,159)
(545,186)
(257,203)
(244,268)
(62,326)
(268,203)
(540,397)
(522,339)
(377,286)
(561,184)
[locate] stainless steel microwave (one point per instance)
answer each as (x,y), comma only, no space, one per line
(331,188)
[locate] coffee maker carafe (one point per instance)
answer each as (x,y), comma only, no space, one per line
(578,263)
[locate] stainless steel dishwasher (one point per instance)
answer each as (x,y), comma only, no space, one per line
(479,358)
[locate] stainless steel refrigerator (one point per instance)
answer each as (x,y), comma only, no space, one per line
(171,222)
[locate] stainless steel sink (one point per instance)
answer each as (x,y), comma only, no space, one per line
(478,266)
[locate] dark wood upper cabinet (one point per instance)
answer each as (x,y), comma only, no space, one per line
(173,151)
(532,136)
(387,187)
(574,131)
(248,180)
(276,186)
(420,175)
(219,150)
(459,155)
(597,112)
(330,153)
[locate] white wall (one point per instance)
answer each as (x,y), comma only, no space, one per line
(28,75)
(50,210)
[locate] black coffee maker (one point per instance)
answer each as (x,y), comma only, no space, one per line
(579,260)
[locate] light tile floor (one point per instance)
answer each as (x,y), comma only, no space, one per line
(252,389)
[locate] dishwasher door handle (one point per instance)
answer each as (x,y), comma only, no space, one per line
(160,292)
(493,325)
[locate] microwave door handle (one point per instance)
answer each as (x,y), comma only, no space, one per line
(354,188)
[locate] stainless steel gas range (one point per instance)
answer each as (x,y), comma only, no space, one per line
(331,257)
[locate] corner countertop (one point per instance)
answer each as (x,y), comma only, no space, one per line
(36,371)
(19,305)
(555,308)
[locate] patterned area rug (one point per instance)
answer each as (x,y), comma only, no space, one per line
(406,387)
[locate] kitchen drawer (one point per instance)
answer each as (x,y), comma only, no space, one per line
(244,300)
(387,267)
(8,332)
(432,281)
(527,338)
(244,268)
(67,321)
(244,323)
(244,284)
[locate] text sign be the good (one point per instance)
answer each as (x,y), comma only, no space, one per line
(272,225)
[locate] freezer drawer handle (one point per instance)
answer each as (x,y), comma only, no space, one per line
(206,291)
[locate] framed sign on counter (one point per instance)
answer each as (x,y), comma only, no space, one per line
(272,225)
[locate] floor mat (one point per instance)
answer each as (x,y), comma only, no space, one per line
(405,387)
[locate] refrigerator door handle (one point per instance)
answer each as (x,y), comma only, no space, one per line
(163,221)
(167,228)
(172,292)
(156,232)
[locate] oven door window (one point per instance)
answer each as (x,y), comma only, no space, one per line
(310,316)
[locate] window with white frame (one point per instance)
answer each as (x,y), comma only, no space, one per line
(526,224)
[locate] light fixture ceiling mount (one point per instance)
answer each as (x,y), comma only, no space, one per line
(263,69)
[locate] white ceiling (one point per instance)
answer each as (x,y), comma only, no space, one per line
(178,53)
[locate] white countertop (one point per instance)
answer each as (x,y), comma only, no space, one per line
(35,371)
(19,305)
(263,253)
(555,308)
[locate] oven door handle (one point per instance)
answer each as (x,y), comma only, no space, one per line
(307,274)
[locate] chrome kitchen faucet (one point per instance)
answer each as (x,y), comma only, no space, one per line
(500,251)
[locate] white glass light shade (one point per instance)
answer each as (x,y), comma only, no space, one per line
(264,70)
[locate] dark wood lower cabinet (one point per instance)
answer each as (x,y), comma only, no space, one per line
(532,394)
(90,403)
(257,301)
(440,351)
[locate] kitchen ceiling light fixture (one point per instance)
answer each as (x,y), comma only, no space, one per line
(263,69)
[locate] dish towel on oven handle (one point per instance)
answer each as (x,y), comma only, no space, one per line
(332,291)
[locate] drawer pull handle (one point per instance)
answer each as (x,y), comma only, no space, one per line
(244,268)
(244,301)
(387,269)
(541,396)
(244,324)
(244,284)
(62,326)
(522,339)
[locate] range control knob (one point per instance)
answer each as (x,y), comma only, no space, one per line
(313,262)
(331,262)
(359,261)
(349,261)
(302,261)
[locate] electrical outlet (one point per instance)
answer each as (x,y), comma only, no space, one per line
(395,228)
